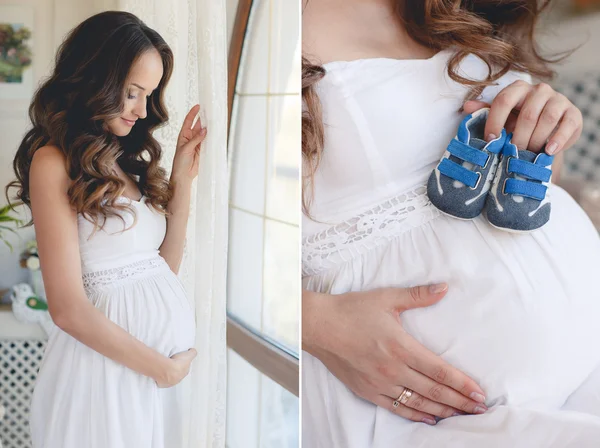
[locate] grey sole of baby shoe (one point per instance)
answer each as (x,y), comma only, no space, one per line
(506,229)
(454,216)
(518,232)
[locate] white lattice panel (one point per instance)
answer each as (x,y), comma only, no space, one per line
(583,160)
(19,363)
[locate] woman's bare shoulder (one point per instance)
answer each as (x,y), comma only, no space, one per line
(50,154)
(48,165)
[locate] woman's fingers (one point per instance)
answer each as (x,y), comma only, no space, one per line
(511,122)
(202,132)
(420,403)
(402,299)
(198,125)
(197,139)
(440,393)
(536,115)
(531,111)
(189,118)
(411,414)
(473,106)
(432,366)
(508,99)
(547,123)
(569,129)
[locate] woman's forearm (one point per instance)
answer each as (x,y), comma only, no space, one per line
(178,211)
(314,315)
(91,327)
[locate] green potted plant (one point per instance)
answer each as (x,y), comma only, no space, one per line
(5,219)
(7,222)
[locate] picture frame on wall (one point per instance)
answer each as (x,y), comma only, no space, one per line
(585,6)
(16,54)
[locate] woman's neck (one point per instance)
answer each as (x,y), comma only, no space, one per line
(357,29)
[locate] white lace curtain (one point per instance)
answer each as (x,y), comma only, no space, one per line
(196,32)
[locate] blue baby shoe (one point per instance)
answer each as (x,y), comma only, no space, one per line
(458,186)
(519,200)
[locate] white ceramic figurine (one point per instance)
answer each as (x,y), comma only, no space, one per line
(29,308)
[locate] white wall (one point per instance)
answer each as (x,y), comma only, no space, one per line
(564,29)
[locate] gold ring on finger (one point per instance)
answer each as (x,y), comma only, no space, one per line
(404,396)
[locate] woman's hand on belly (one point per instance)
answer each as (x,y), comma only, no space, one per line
(359,337)
(180,365)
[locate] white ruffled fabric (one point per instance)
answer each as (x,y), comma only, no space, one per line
(521,313)
(83,399)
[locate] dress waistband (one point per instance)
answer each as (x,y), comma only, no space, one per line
(344,241)
(122,274)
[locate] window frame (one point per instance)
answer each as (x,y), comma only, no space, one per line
(263,353)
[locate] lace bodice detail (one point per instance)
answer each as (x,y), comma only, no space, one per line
(369,229)
(123,274)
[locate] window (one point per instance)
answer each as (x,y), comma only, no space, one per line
(264,259)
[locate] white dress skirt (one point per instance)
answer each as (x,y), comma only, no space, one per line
(522,313)
(83,399)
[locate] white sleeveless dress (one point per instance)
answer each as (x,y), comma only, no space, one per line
(83,399)
(522,314)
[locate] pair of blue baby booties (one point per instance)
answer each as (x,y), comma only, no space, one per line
(510,186)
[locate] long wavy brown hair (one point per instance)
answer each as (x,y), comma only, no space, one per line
(500,32)
(71,109)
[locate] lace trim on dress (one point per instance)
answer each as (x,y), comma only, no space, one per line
(118,275)
(372,228)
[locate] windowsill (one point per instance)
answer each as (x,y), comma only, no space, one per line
(11,328)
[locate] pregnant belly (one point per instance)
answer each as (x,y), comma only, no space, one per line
(153,309)
(521,316)
(179,323)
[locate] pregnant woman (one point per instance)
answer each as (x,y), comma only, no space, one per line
(110,229)
(420,329)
